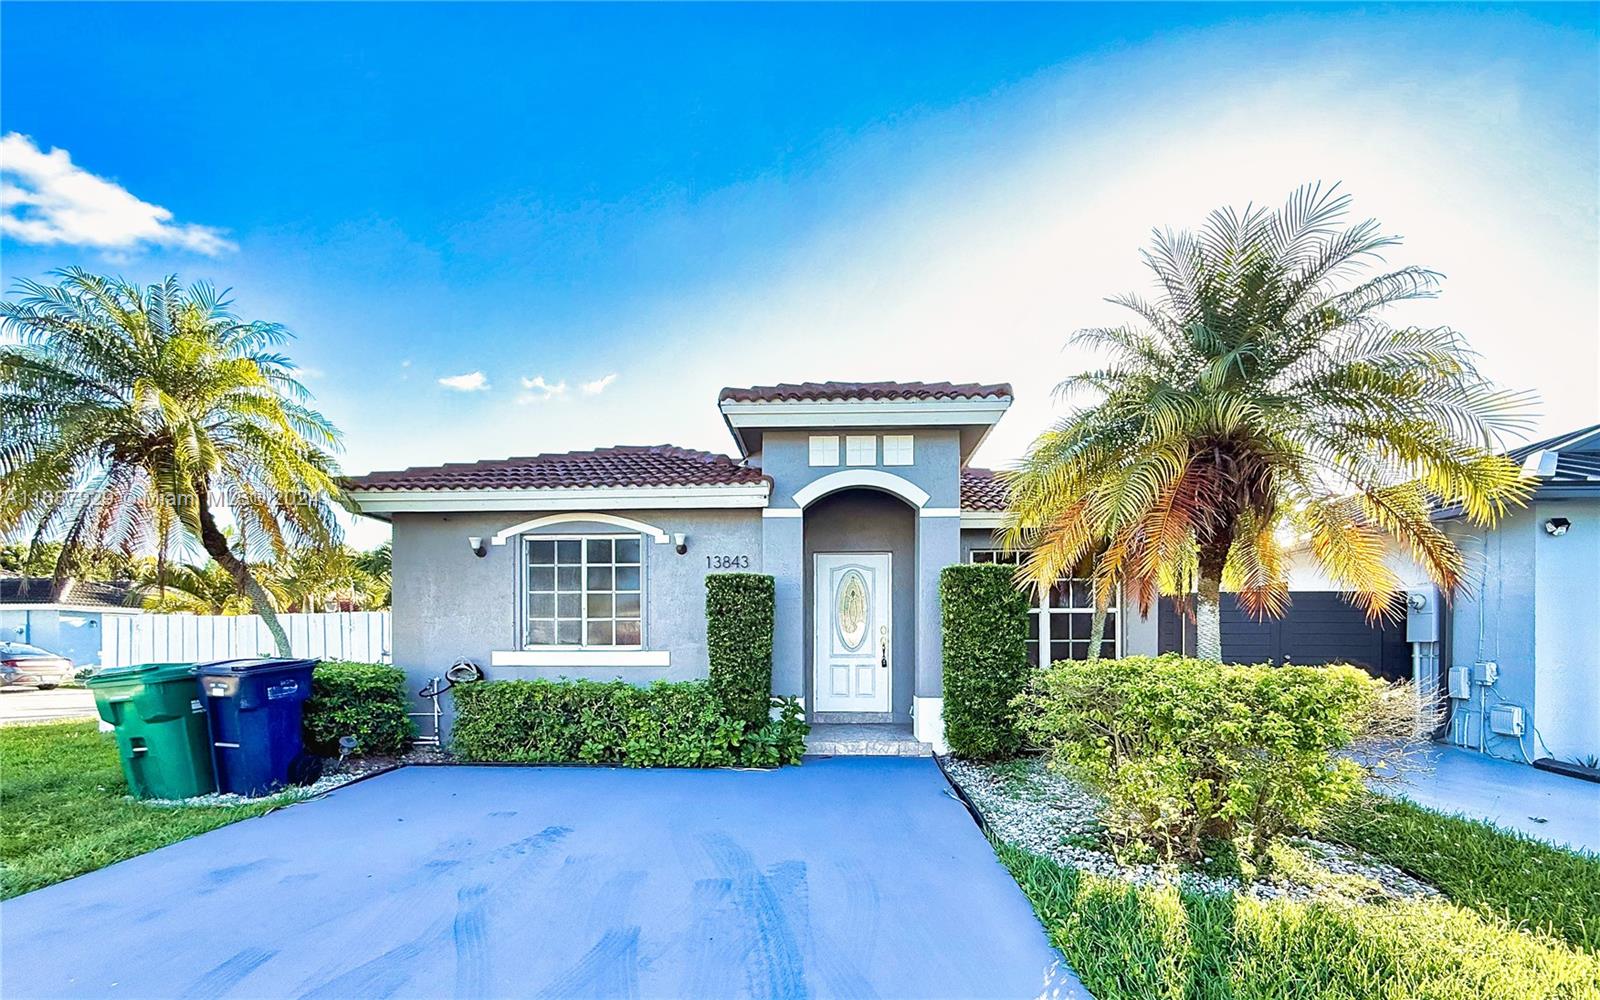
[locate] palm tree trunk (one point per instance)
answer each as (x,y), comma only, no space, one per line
(1097,631)
(216,545)
(1208,620)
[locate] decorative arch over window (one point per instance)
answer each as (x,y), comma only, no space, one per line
(874,479)
(590,517)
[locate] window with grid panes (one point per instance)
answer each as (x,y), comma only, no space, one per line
(583,591)
(1064,619)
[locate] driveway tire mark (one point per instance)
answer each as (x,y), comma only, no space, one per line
(227,974)
(472,953)
(609,969)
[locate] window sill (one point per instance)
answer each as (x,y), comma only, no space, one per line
(580,658)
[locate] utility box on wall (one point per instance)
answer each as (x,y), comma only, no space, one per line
(1422,614)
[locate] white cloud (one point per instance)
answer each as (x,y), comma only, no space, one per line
(48,200)
(470,382)
(599,385)
(406,363)
(537,390)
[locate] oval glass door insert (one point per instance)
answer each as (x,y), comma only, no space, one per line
(852,610)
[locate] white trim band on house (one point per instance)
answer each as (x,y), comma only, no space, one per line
(782,512)
(864,412)
(381,502)
(986,519)
(874,479)
(580,658)
(939,512)
(585,517)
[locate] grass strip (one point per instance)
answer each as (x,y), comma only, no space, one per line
(1516,878)
(1140,943)
(64,808)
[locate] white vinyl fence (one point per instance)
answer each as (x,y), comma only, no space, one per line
(341,635)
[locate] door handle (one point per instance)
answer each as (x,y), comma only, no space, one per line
(883,646)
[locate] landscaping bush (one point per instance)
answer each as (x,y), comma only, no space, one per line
(985,659)
(1189,750)
(739,610)
(668,724)
(1162,943)
(366,700)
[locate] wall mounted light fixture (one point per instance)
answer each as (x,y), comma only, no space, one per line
(1557,526)
(680,541)
(476,544)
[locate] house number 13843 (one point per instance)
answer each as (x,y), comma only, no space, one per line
(727,562)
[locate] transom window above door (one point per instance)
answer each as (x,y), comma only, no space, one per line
(583,590)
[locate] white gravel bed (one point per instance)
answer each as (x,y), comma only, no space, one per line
(1048,813)
(334,774)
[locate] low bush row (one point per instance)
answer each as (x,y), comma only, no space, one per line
(668,724)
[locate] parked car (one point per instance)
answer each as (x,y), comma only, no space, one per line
(21,663)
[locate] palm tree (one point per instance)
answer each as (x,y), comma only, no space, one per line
(1261,392)
(310,579)
(126,412)
(178,588)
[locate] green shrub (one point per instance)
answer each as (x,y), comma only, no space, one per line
(1188,750)
(1131,943)
(739,612)
(985,659)
(366,700)
(668,724)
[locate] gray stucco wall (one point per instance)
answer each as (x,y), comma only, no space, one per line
(869,521)
(936,468)
(1533,607)
(448,603)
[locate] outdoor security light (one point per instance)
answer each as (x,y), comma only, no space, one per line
(1557,526)
(680,541)
(477,546)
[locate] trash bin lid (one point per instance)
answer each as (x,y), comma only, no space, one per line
(234,668)
(146,672)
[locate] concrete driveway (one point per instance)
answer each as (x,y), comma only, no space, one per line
(30,705)
(846,877)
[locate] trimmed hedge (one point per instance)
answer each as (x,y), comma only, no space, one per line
(985,659)
(365,700)
(739,613)
(668,724)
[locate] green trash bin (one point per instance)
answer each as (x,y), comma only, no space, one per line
(161,728)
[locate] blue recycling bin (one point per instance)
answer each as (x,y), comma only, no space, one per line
(254,707)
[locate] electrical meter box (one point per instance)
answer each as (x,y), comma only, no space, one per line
(1461,683)
(1422,614)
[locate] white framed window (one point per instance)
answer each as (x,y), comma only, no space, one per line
(824,449)
(897,449)
(861,449)
(1062,618)
(582,591)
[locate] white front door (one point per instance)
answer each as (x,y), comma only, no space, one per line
(852,640)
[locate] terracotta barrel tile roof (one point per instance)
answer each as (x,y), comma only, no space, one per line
(798,392)
(622,466)
(981,489)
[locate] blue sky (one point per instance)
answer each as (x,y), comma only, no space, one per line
(684,197)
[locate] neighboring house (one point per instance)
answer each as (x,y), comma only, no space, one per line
(71,626)
(1531,608)
(853,496)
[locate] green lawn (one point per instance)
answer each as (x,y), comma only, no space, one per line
(1130,943)
(64,808)
(1519,920)
(1516,878)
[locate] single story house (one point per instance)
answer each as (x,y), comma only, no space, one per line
(70,626)
(853,496)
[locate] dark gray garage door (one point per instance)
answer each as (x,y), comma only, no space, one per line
(1320,627)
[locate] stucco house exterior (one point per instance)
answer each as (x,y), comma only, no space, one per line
(593,564)
(71,626)
(1523,640)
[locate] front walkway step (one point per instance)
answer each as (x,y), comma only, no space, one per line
(870,739)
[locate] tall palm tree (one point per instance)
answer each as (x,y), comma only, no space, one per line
(1263,392)
(129,414)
